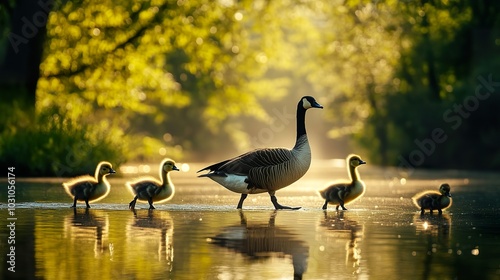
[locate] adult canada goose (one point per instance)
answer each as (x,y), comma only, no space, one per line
(344,193)
(89,189)
(150,189)
(433,200)
(269,169)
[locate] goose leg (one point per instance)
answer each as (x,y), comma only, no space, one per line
(440,211)
(87,202)
(242,198)
(278,206)
(150,200)
(131,205)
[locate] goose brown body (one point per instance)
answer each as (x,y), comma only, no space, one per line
(433,200)
(269,169)
(90,189)
(150,189)
(345,192)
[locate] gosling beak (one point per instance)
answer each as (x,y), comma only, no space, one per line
(112,171)
(175,168)
(448,194)
(362,161)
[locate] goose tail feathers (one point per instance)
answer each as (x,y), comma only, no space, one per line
(213,167)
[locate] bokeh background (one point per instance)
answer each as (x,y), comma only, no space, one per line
(413,84)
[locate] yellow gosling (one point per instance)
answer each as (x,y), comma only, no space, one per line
(150,189)
(433,200)
(90,189)
(345,192)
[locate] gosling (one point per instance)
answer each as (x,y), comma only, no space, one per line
(433,200)
(90,189)
(150,189)
(345,192)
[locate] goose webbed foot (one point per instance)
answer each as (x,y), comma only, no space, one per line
(87,203)
(278,206)
(242,198)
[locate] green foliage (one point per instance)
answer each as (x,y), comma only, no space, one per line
(55,145)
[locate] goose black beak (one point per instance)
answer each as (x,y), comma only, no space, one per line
(362,162)
(112,171)
(317,105)
(175,168)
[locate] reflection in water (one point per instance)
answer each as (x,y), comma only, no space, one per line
(149,230)
(436,230)
(435,226)
(265,241)
(346,233)
(89,225)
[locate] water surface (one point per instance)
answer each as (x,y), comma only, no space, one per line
(200,235)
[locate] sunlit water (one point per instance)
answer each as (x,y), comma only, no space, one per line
(200,235)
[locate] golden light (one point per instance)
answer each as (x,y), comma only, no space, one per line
(185,167)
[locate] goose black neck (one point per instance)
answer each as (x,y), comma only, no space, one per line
(301,120)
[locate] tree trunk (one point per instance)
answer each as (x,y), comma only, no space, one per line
(20,67)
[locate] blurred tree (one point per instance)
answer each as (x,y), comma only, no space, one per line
(401,67)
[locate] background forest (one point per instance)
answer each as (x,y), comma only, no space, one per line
(405,83)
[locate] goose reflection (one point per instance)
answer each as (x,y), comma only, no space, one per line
(264,241)
(89,225)
(147,230)
(342,234)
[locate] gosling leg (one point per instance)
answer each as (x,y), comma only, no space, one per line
(131,205)
(325,206)
(150,200)
(341,203)
(87,202)
(74,203)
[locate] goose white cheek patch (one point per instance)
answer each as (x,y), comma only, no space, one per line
(306,104)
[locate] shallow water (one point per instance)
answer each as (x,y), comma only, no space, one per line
(200,235)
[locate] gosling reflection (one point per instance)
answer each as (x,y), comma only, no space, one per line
(435,232)
(346,233)
(87,225)
(436,226)
(148,230)
(264,241)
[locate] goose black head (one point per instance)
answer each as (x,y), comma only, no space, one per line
(309,102)
(444,189)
